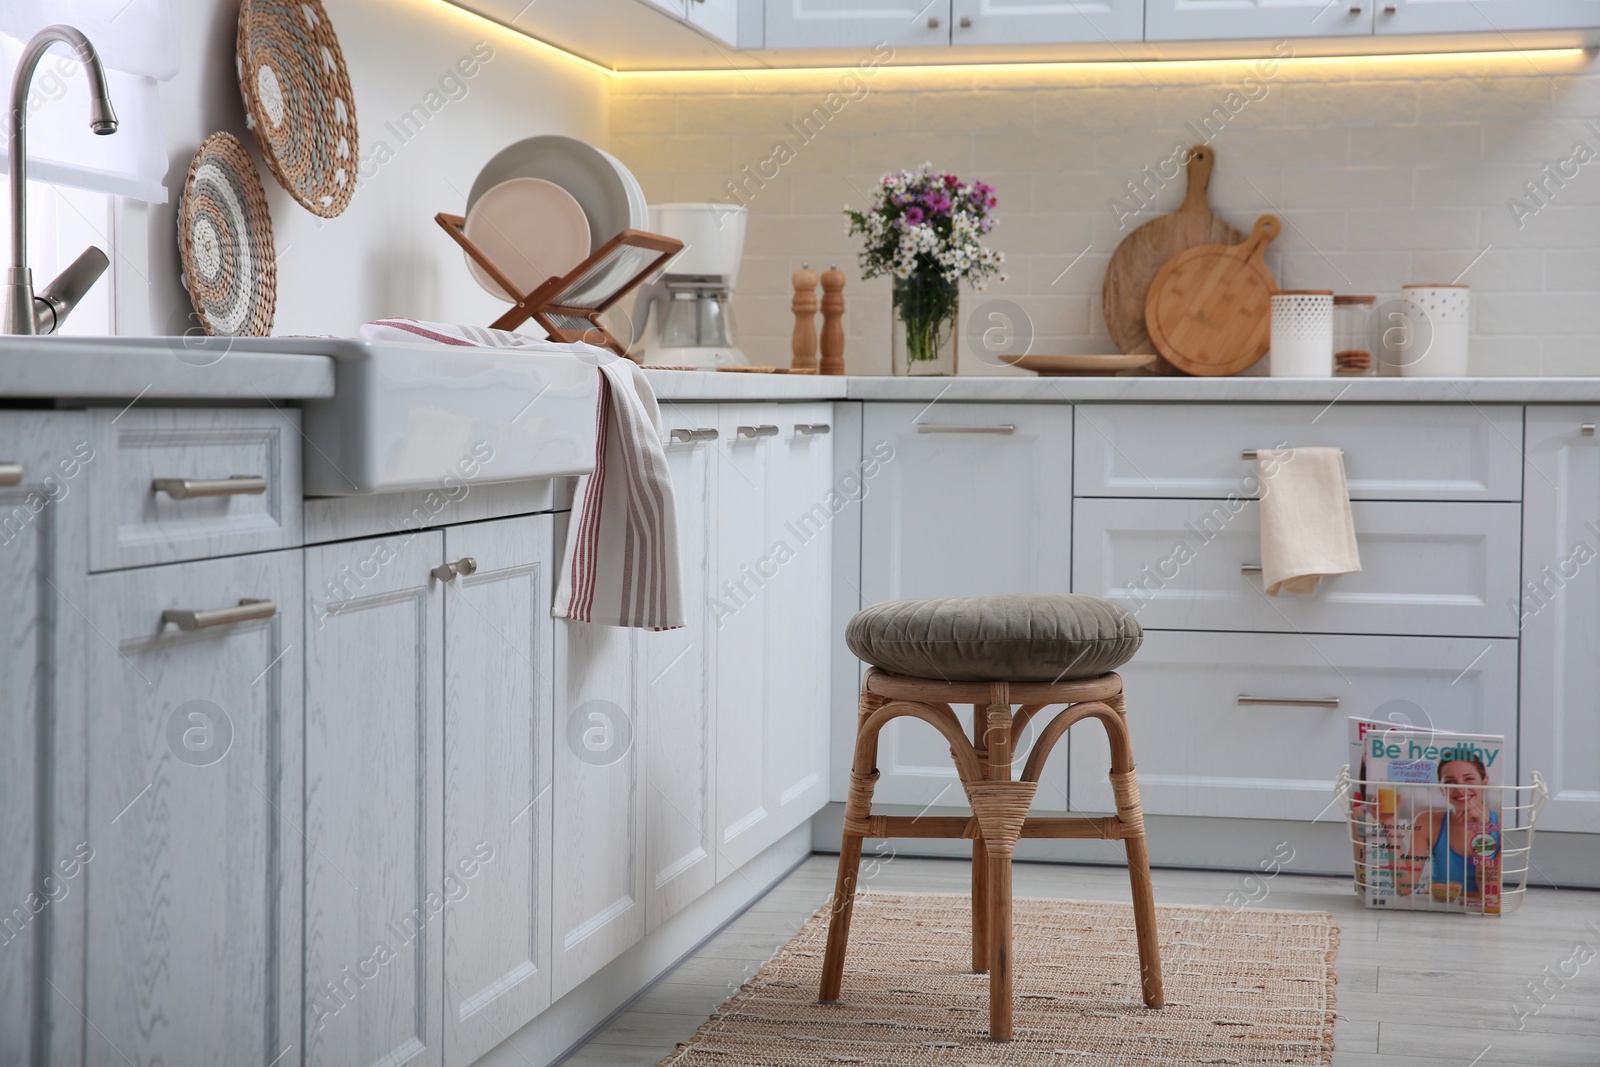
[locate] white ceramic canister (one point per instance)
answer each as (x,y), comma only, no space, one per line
(1435,344)
(1302,334)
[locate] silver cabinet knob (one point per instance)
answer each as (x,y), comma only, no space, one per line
(809,429)
(748,433)
(685,437)
(1355,9)
(933,23)
(11,474)
(447,572)
(1249,568)
(966,22)
(186,488)
(1389,9)
(247,610)
(1587,431)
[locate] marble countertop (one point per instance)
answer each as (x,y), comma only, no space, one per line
(157,368)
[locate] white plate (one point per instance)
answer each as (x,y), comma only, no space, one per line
(531,229)
(595,180)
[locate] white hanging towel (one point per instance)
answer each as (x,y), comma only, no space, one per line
(621,565)
(1307,532)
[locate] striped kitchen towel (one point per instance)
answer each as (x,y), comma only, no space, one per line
(621,564)
(621,559)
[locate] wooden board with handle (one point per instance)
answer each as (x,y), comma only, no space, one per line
(1209,310)
(1147,249)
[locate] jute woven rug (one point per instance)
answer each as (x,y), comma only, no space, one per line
(1242,987)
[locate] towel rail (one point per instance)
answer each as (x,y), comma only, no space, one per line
(1255,453)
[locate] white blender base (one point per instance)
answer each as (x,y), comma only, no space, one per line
(707,358)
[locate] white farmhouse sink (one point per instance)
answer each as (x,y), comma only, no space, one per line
(423,416)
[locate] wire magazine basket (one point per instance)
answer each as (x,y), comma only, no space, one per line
(1391,825)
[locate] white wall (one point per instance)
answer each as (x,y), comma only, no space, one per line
(384,255)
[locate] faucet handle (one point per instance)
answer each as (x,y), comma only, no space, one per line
(52,305)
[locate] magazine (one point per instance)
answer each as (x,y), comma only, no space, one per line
(1429,816)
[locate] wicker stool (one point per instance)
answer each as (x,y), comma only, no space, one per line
(1048,650)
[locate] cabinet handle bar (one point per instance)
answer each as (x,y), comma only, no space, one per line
(1288,702)
(185,488)
(685,437)
(750,432)
(808,429)
(246,610)
(466,566)
(11,474)
(1587,429)
(933,427)
(1255,453)
(1250,568)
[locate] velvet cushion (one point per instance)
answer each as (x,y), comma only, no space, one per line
(1027,637)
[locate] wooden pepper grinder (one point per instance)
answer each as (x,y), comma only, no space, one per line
(804,343)
(832,321)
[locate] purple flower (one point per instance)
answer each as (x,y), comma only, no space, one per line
(938,203)
(913,216)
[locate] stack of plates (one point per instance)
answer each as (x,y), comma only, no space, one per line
(545,204)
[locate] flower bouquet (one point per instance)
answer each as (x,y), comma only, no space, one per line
(925,230)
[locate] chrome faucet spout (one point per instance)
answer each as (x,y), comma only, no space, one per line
(22,316)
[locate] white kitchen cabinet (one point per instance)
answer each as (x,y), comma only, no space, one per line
(1211,741)
(1484,16)
(770,617)
(675,7)
(374,655)
(1189,20)
(851,24)
(598,898)
(676,668)
(1429,568)
(195,775)
(973,499)
(498,665)
(1560,614)
(719,18)
(43,635)
(1053,21)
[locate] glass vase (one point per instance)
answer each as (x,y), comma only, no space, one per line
(924,334)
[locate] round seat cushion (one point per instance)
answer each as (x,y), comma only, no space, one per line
(1025,637)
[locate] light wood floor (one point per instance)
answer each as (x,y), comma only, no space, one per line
(1414,990)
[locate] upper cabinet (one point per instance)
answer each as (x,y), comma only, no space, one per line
(1482,16)
(852,24)
(1032,21)
(720,18)
(1199,20)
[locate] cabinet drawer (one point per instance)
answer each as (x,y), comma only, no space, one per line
(1201,752)
(1441,569)
(187,453)
(1391,451)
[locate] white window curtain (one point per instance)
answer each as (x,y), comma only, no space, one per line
(137,43)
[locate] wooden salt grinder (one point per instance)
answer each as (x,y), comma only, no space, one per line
(804,343)
(832,321)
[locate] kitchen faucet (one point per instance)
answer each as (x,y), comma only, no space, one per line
(25,312)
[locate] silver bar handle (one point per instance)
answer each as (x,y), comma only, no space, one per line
(246,611)
(187,488)
(934,427)
(447,572)
(1288,702)
(809,429)
(1587,430)
(1250,568)
(749,433)
(685,437)
(11,473)
(1255,453)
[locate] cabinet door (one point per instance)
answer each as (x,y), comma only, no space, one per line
(801,506)
(598,899)
(1046,21)
(1561,614)
(1484,16)
(194,889)
(745,565)
(1202,750)
(976,499)
(675,692)
(850,24)
(374,860)
(720,18)
(1188,20)
(674,6)
(43,563)
(498,666)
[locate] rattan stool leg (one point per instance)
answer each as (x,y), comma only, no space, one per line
(980,905)
(1125,786)
(858,807)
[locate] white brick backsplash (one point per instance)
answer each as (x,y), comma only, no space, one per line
(1386,172)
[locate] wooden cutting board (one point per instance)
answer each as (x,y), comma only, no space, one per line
(1210,309)
(1147,249)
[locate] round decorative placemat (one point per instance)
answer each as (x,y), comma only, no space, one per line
(225,241)
(297,95)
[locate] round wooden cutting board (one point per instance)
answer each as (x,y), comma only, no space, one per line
(1147,249)
(1210,309)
